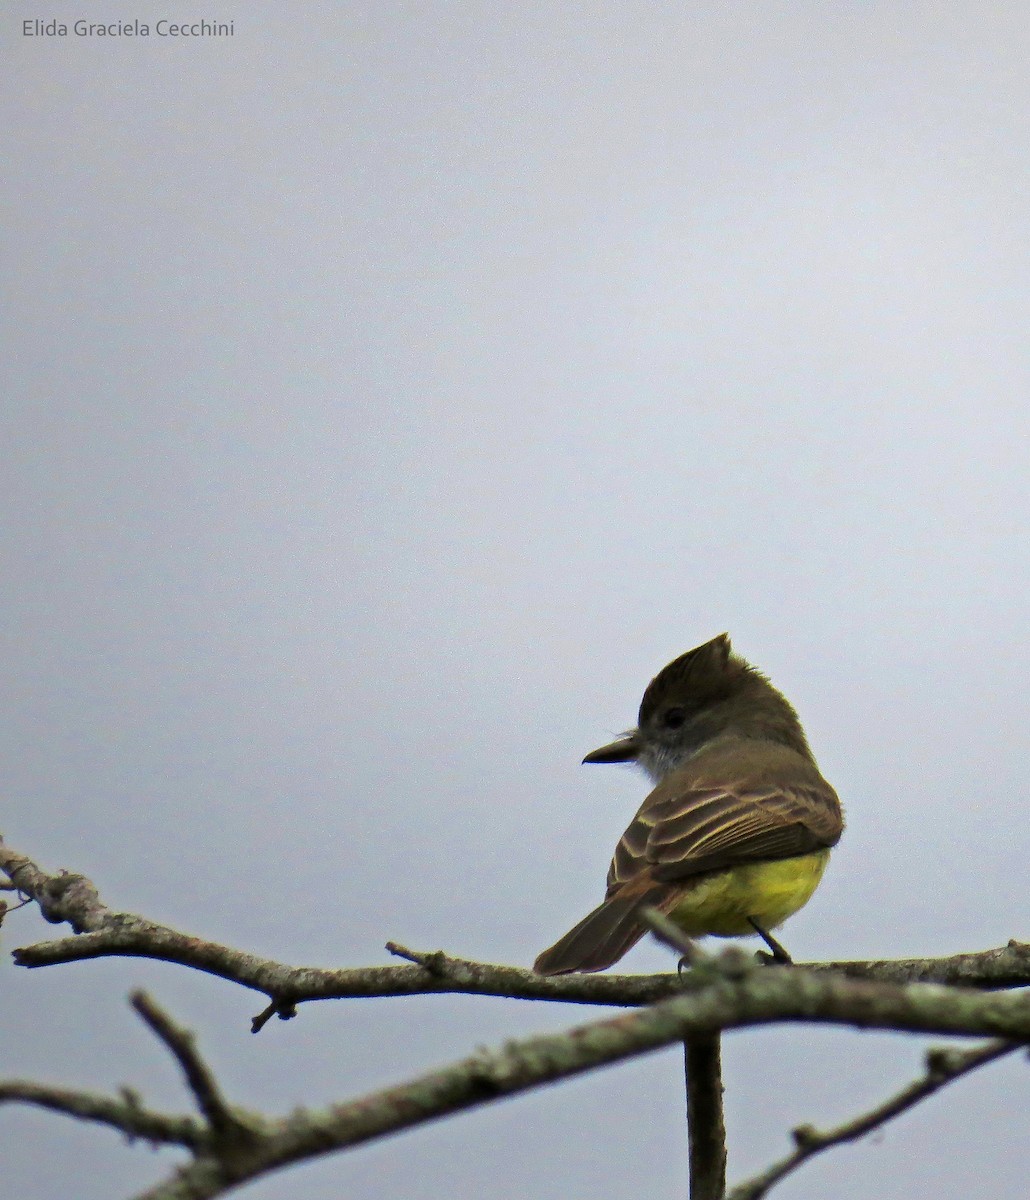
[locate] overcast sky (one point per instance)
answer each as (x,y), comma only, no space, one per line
(389,392)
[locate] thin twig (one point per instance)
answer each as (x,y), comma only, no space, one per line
(669,934)
(436,962)
(124,1113)
(202,1083)
(284,1010)
(943,1066)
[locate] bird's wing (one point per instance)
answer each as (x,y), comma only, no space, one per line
(682,830)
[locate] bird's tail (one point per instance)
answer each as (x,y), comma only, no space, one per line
(604,935)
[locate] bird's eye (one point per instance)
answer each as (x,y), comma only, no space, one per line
(674,717)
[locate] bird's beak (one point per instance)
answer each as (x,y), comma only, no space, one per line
(625,749)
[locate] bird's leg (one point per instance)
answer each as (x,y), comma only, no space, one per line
(779,954)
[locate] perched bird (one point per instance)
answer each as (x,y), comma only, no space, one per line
(737,832)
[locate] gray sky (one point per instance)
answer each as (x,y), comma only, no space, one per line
(390,391)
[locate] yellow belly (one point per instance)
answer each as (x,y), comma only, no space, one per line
(769,892)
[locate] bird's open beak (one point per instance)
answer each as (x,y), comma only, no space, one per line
(625,749)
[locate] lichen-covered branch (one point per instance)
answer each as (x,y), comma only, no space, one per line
(1006,966)
(730,992)
(230,1145)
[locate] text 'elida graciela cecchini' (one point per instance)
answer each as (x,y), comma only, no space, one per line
(129,29)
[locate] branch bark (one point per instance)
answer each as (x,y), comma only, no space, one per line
(101,932)
(706,1125)
(702,1063)
(124,1113)
(727,993)
(230,1145)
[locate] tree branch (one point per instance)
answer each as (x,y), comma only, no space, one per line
(125,1113)
(101,932)
(943,1066)
(730,993)
(706,1124)
(224,1124)
(1006,966)
(702,1063)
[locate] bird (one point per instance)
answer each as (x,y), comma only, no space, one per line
(737,832)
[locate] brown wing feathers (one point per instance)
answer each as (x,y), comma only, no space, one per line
(685,828)
(704,830)
(606,934)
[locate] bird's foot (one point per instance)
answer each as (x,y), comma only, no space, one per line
(779,955)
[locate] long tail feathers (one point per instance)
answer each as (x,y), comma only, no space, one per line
(604,935)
